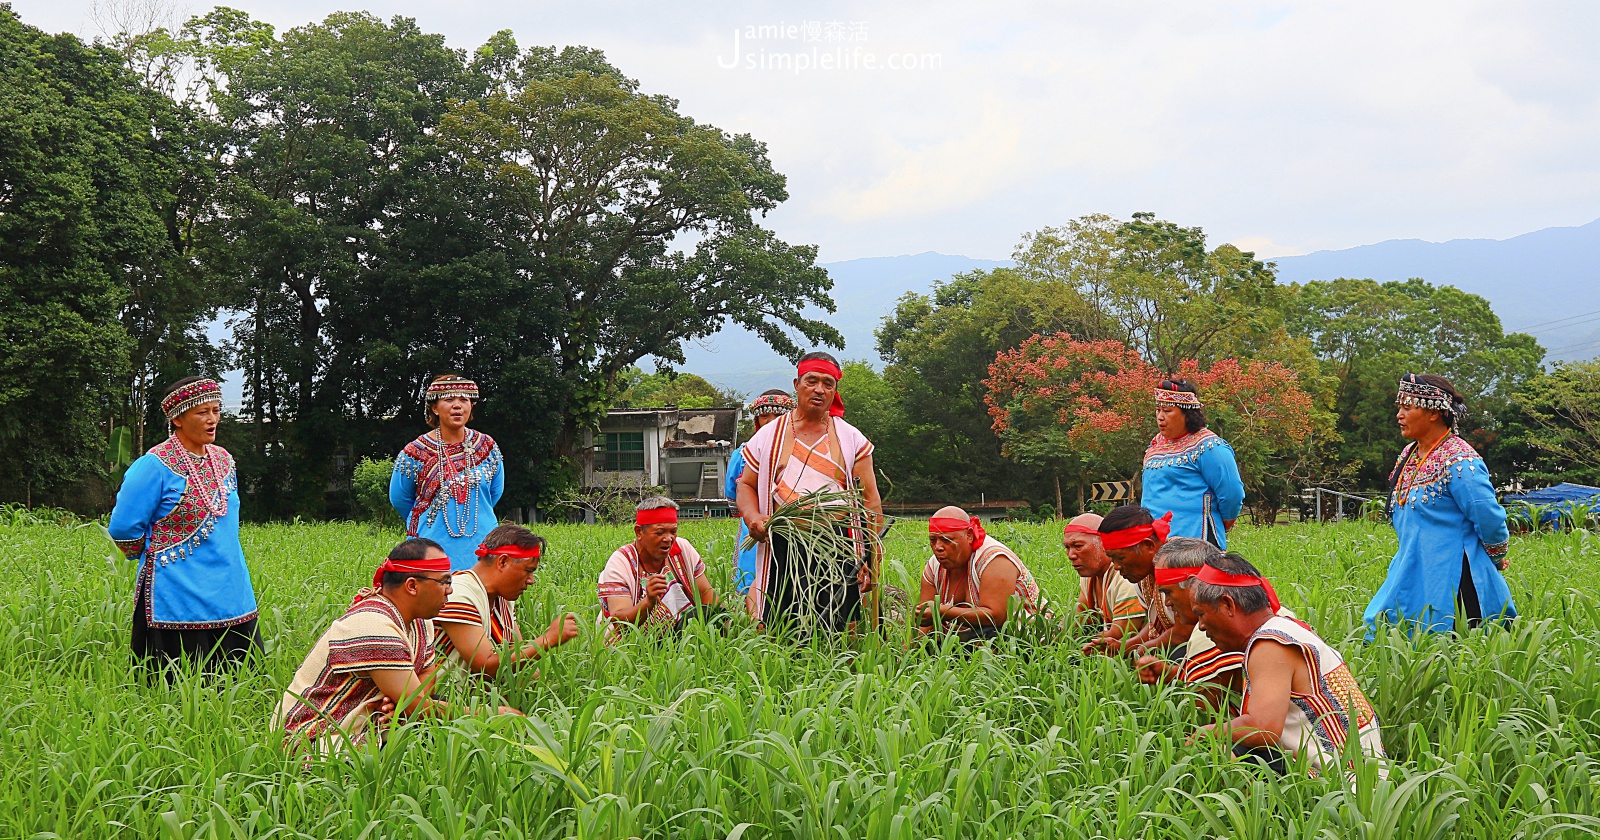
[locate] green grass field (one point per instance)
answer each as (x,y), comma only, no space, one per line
(1496,735)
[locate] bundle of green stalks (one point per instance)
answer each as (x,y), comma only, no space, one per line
(1493,734)
(830,534)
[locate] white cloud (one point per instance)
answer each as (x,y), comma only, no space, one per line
(1318,124)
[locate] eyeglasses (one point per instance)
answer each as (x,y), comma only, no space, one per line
(448,581)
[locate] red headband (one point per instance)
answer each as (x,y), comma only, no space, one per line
(656,516)
(410,567)
(948,525)
(1079,529)
(512,551)
(1129,537)
(831,369)
(1217,577)
(1173,577)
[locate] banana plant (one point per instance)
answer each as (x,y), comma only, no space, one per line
(119,454)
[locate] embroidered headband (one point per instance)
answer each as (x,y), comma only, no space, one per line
(1217,577)
(410,567)
(656,516)
(949,525)
(772,404)
(1129,537)
(196,393)
(1173,577)
(829,368)
(1414,392)
(453,386)
(512,551)
(1181,399)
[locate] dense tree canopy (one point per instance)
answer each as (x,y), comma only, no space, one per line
(371,207)
(1369,334)
(78,211)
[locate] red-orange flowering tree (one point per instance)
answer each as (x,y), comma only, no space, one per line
(1083,409)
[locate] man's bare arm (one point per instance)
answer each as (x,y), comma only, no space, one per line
(1271,666)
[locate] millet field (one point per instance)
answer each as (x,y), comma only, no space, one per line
(733,734)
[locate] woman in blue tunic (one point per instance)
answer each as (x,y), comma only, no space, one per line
(1189,470)
(1452,530)
(446,483)
(177,513)
(766,408)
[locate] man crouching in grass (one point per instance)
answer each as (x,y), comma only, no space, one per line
(376,659)
(968,583)
(480,618)
(1300,698)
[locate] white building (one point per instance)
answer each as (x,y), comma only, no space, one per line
(684,451)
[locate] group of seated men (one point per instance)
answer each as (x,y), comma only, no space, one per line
(1178,609)
(1182,609)
(419,623)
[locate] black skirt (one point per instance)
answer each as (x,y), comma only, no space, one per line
(212,648)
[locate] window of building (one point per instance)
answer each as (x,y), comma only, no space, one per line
(622,452)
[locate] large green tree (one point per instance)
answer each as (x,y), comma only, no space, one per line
(80,224)
(1147,283)
(585,186)
(329,128)
(937,349)
(1155,286)
(1556,424)
(392,209)
(1368,334)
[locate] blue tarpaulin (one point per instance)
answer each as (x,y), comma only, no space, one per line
(1557,494)
(1557,499)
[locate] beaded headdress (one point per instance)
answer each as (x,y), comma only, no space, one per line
(450,387)
(1414,392)
(1181,399)
(771,404)
(195,393)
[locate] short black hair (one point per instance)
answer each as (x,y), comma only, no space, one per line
(1194,419)
(1249,599)
(1127,516)
(818,354)
(774,392)
(514,535)
(415,548)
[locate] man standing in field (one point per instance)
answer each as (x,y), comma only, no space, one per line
(1131,537)
(1216,673)
(1105,597)
(1300,699)
(376,658)
(656,581)
(809,450)
(968,583)
(480,619)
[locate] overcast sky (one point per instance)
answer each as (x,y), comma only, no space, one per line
(1281,127)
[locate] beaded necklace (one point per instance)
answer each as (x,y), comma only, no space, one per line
(461,491)
(201,473)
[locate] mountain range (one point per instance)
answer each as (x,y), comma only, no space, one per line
(1546,283)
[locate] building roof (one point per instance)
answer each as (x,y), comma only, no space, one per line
(689,427)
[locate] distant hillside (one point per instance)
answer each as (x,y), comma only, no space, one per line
(1546,282)
(865,290)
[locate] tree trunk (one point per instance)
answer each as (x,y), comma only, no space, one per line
(1058,497)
